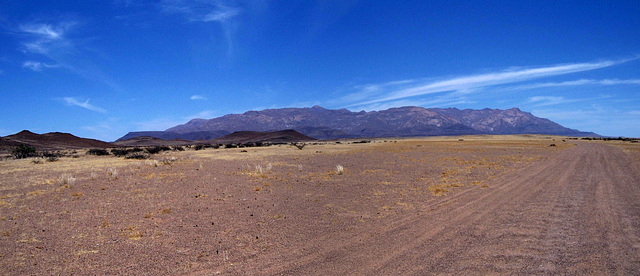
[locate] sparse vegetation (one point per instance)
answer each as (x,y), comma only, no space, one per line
(119,152)
(98,152)
(339,170)
(626,139)
(123,152)
(157,149)
(52,159)
(300,146)
(439,189)
(137,155)
(112,173)
(67,179)
(23,151)
(198,147)
(152,163)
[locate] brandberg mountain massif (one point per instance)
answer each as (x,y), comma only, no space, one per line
(321,123)
(303,124)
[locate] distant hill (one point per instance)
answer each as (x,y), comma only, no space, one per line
(148,141)
(168,135)
(50,141)
(282,136)
(324,123)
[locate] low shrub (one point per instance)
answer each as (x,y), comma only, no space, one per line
(198,147)
(98,152)
(23,151)
(122,152)
(48,154)
(300,146)
(137,155)
(153,150)
(119,152)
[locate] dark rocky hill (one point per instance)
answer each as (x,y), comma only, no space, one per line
(282,136)
(51,141)
(148,141)
(169,135)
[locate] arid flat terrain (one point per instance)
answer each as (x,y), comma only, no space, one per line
(455,205)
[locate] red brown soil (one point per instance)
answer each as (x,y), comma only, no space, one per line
(511,207)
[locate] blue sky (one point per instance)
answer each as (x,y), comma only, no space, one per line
(100,69)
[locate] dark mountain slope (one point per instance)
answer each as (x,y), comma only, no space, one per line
(55,141)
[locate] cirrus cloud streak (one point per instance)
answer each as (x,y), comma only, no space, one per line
(471,83)
(72,101)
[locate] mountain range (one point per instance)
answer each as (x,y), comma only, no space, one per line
(322,123)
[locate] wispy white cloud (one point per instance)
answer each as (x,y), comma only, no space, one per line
(202,11)
(157,124)
(546,100)
(473,82)
(207,11)
(107,130)
(603,119)
(71,101)
(41,38)
(163,123)
(221,15)
(44,30)
(54,42)
(37,65)
(201,115)
(581,82)
(198,98)
(447,100)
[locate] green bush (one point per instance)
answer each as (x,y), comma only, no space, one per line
(119,152)
(178,148)
(98,152)
(153,150)
(198,147)
(23,151)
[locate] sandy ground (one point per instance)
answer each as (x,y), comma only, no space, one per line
(485,205)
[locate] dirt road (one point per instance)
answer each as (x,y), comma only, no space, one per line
(576,213)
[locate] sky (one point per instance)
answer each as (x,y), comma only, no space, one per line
(99,69)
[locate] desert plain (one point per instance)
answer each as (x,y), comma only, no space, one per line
(419,206)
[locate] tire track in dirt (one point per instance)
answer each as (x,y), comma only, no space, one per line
(401,230)
(571,214)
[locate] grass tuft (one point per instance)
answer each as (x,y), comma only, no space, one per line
(67,179)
